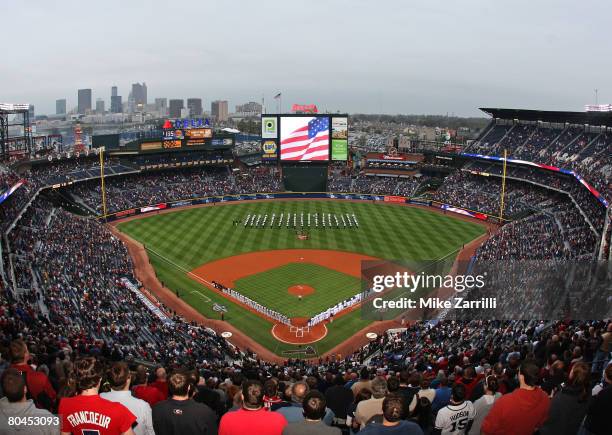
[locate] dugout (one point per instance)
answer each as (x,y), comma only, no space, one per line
(305,177)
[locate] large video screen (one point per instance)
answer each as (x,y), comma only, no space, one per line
(304,138)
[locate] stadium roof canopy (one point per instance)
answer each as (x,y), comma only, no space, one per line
(591,118)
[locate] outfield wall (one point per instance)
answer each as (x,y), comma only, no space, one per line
(305,178)
(298,195)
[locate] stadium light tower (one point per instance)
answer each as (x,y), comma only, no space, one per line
(101,149)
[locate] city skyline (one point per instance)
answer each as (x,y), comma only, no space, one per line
(396,57)
(67,107)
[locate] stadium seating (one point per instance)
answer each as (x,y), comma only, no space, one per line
(77,284)
(67,294)
(569,147)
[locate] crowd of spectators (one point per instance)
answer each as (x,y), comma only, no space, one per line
(338,182)
(590,205)
(12,206)
(520,134)
(587,153)
(472,377)
(535,146)
(84,304)
(7,179)
(549,226)
(170,185)
(375,185)
(483,194)
(536,237)
(143,189)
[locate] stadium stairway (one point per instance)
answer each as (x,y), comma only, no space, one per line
(588,146)
(552,142)
(561,230)
(41,305)
(476,144)
(605,243)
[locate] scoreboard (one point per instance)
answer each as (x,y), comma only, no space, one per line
(175,139)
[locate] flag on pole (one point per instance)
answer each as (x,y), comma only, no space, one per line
(277,96)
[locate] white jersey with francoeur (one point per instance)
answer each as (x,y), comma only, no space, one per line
(454,419)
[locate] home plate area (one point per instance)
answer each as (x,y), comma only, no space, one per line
(299,332)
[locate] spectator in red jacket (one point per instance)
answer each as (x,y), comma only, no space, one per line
(141,390)
(469,380)
(160,381)
(253,417)
(522,411)
(38,383)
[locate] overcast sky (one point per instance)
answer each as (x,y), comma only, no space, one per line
(383,56)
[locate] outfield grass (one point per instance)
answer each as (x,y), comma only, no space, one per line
(181,241)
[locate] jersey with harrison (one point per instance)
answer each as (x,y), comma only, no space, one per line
(93,414)
(454,419)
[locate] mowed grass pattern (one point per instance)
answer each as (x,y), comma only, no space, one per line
(189,238)
(270,288)
(196,236)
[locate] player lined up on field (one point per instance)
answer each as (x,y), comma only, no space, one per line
(301,220)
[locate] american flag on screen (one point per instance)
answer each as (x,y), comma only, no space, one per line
(309,139)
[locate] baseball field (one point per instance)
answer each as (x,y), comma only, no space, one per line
(295,271)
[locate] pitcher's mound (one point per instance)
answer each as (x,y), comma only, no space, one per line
(300,290)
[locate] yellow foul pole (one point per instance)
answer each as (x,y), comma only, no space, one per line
(102,181)
(503,192)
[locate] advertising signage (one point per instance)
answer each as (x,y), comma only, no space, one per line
(269,127)
(269,150)
(304,108)
(186,123)
(339,143)
(218,142)
(199,133)
(170,144)
(147,146)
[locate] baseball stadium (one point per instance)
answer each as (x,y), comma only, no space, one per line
(202,256)
(427,250)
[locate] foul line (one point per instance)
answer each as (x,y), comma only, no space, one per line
(182,269)
(199,293)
